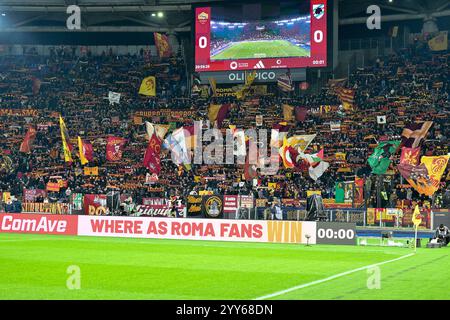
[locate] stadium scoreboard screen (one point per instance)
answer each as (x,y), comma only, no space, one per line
(226,41)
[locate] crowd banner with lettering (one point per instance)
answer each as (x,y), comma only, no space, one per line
(77,201)
(30,195)
(194,205)
(198,229)
(53,187)
(95,204)
(159,207)
(230,203)
(165,113)
(246,202)
(19,112)
(212,206)
(50,208)
(91,171)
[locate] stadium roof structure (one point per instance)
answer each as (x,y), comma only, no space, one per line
(136,15)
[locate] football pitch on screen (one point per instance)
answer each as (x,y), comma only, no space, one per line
(261,49)
(44,267)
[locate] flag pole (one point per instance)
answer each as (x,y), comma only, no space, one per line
(415,239)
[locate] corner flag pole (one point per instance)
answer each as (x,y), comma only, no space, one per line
(415,239)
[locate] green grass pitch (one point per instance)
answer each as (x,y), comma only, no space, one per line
(35,267)
(261,49)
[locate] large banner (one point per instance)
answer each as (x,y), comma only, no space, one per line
(165,113)
(95,204)
(30,195)
(19,112)
(212,206)
(159,207)
(198,229)
(38,223)
(230,203)
(51,208)
(194,205)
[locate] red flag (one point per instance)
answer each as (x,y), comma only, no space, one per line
(27,143)
(114,148)
(162,45)
(221,115)
(410,156)
(300,113)
(36,85)
(88,151)
(152,158)
(250,170)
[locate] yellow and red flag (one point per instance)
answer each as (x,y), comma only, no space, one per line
(67,147)
(416,218)
(85,150)
(162,45)
(148,87)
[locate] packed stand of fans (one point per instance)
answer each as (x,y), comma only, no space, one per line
(409,85)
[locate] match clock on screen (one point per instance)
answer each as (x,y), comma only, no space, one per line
(336,233)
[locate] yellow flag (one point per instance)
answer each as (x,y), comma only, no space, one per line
(440,42)
(64,137)
(148,87)
(288,112)
(416,218)
(213,110)
(435,166)
(250,78)
(213,85)
(80,150)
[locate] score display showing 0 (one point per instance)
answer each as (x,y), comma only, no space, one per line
(203,41)
(333,234)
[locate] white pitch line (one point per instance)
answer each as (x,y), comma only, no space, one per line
(278,293)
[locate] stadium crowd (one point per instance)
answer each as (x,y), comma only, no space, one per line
(412,84)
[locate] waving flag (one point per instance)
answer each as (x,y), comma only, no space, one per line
(430,183)
(413,133)
(27,143)
(148,87)
(288,111)
(162,45)
(113,97)
(315,172)
(85,151)
(278,131)
(114,148)
(416,218)
(159,129)
(67,147)
(347,97)
(440,42)
(177,144)
(380,159)
(152,158)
